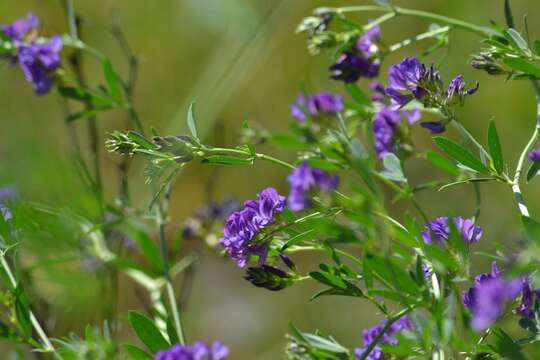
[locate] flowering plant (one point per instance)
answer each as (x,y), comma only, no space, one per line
(354,150)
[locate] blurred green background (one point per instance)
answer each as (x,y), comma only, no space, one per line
(239,60)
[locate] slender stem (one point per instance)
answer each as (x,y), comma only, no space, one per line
(426,35)
(417,13)
(519,169)
(35,323)
(385,328)
(161,221)
(236,152)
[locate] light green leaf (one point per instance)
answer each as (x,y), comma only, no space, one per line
(191,121)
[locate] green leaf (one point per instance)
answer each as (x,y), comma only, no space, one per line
(85,96)
(147,332)
(517,39)
(191,121)
(306,235)
(289,141)
(466,181)
(532,229)
(113,80)
(495,149)
(136,353)
(141,140)
(392,169)
(442,163)
(461,154)
(86,114)
(148,249)
(226,160)
(324,164)
(533,169)
(357,94)
(505,346)
(171,331)
(508,14)
(367,272)
(394,275)
(522,65)
(536,46)
(22,310)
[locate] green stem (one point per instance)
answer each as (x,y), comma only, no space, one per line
(173,304)
(426,35)
(246,154)
(379,336)
(484,32)
(519,169)
(48,347)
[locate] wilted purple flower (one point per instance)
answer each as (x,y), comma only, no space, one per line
(37,58)
(243,226)
(534,155)
(316,105)
(18,30)
(441,230)
(385,128)
(435,127)
(197,351)
(359,61)
(389,337)
(302,180)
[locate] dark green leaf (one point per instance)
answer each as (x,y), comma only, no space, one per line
(522,65)
(171,331)
(136,353)
(87,113)
(85,96)
(324,164)
(508,14)
(532,229)
(22,311)
(495,149)
(306,235)
(442,163)
(113,80)
(289,141)
(191,121)
(226,160)
(6,333)
(461,154)
(505,346)
(147,332)
(147,247)
(533,169)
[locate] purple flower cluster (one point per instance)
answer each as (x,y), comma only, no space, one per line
(302,180)
(438,230)
(410,79)
(197,351)
(316,105)
(37,57)
(386,128)
(360,60)
(243,226)
(528,295)
(488,297)
(389,337)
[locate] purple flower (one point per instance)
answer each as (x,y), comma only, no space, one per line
(389,337)
(441,230)
(379,94)
(456,92)
(534,155)
(243,226)
(360,60)
(385,128)
(435,127)
(488,296)
(316,105)
(302,180)
(18,30)
(197,351)
(407,76)
(37,58)
(490,300)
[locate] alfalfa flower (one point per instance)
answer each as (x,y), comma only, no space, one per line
(196,351)
(360,60)
(316,105)
(438,230)
(305,179)
(38,57)
(389,337)
(243,226)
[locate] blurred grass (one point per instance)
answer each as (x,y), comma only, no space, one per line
(239,60)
